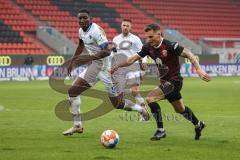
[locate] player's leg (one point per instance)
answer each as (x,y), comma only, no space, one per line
(115,86)
(118,80)
(155,95)
(119,103)
(175,99)
(134,80)
(152,98)
(185,111)
(189,115)
(135,90)
(78,86)
(85,80)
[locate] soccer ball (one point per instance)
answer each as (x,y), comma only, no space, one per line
(109,138)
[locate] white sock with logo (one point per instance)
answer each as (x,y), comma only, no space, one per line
(75,110)
(129,105)
(139,99)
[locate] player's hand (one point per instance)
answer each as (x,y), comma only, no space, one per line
(203,75)
(143,66)
(112,47)
(113,69)
(103,53)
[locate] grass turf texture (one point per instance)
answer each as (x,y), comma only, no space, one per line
(29,128)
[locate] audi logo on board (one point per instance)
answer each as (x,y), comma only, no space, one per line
(5,61)
(55,60)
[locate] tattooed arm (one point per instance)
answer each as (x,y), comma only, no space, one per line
(202,74)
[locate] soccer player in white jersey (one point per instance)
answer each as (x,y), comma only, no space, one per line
(127,44)
(93,38)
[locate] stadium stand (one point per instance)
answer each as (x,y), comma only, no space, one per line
(108,14)
(103,16)
(196,19)
(7,35)
(127,10)
(62,15)
(13,25)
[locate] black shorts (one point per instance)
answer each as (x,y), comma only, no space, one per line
(171,89)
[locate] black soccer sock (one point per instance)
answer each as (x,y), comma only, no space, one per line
(189,115)
(156,111)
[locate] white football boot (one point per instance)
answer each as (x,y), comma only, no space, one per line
(73,130)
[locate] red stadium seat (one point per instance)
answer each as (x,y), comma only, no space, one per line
(196,19)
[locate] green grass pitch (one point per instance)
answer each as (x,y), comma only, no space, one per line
(30,130)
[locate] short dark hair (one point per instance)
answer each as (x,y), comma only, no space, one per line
(153,26)
(127,20)
(84,11)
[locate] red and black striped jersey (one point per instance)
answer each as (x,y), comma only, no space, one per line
(166,57)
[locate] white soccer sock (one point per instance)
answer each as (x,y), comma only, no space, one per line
(75,104)
(129,105)
(139,99)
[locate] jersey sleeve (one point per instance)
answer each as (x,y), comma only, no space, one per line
(138,45)
(176,48)
(143,52)
(100,38)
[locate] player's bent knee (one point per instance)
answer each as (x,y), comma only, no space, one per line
(76,90)
(151,99)
(117,101)
(179,110)
(73,91)
(78,87)
(118,105)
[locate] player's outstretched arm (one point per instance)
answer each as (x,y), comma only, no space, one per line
(78,52)
(201,73)
(79,59)
(82,59)
(126,63)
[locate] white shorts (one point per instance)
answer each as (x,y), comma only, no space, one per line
(133,77)
(95,72)
(127,76)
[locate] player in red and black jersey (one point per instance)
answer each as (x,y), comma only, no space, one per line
(166,56)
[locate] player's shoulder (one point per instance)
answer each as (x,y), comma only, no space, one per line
(97,31)
(94,27)
(135,39)
(146,46)
(170,44)
(133,36)
(167,42)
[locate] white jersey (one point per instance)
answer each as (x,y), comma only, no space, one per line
(94,38)
(128,45)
